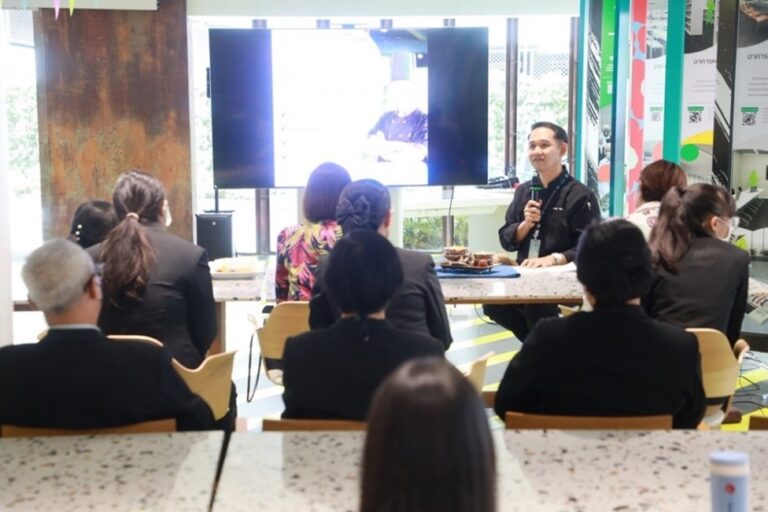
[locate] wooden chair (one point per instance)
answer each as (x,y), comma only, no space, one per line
(211,381)
(286,319)
(758,423)
(476,372)
(740,349)
(287,425)
(719,373)
(167,425)
(136,337)
(523,421)
(489,398)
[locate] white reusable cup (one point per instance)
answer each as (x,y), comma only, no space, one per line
(729,481)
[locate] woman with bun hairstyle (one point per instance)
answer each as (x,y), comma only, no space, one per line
(154,283)
(656,179)
(701,279)
(299,247)
(92,222)
(333,372)
(428,447)
(418,305)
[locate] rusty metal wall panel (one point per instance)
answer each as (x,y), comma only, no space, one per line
(113,95)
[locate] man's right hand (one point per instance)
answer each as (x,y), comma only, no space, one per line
(532,212)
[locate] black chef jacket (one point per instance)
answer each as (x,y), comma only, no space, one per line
(568,207)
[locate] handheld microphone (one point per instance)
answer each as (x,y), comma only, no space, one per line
(535,188)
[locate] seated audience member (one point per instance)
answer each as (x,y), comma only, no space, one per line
(615,360)
(701,279)
(333,372)
(656,179)
(92,223)
(418,305)
(428,446)
(299,247)
(155,283)
(75,377)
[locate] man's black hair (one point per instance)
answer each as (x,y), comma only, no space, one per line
(559,131)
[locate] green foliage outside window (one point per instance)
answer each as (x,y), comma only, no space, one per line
(426,233)
(21,110)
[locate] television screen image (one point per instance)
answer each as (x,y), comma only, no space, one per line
(405,107)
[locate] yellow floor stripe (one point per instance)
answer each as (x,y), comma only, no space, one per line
(493,360)
(464,324)
(753,375)
(481,340)
(502,358)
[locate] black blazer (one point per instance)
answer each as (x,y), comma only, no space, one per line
(76,378)
(418,305)
(177,307)
(614,361)
(333,373)
(709,289)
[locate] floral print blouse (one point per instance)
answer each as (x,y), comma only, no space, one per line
(299,249)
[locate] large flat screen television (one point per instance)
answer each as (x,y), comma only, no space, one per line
(405,107)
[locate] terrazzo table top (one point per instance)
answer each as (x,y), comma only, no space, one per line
(530,287)
(549,471)
(163,472)
(239,289)
(533,286)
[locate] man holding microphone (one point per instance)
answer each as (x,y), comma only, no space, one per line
(544,221)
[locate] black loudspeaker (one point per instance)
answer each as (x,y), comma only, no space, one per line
(214,234)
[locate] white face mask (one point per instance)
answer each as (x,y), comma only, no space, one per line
(167,214)
(729,236)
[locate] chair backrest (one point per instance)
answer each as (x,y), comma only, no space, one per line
(211,381)
(758,423)
(166,425)
(135,337)
(476,372)
(520,421)
(286,319)
(740,349)
(489,398)
(287,425)
(719,368)
(567,310)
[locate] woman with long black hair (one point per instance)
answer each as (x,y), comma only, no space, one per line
(701,279)
(155,283)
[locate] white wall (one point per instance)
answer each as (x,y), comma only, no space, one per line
(6,302)
(389,8)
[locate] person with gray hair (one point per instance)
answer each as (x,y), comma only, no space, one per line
(75,377)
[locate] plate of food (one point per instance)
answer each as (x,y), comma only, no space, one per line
(234,268)
(461,259)
(481,267)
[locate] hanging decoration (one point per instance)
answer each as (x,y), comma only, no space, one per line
(56,7)
(71,7)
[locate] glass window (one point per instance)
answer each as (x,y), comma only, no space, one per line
(19,76)
(544,52)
